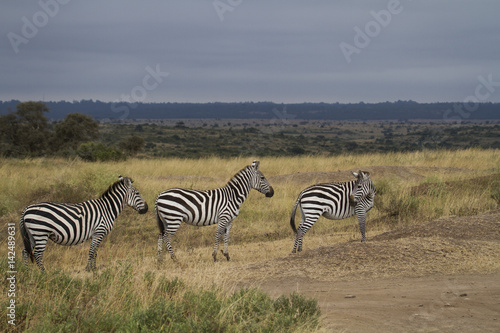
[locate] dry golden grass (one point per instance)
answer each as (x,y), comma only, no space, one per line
(262,230)
(413,188)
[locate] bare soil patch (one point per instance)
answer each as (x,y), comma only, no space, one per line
(435,277)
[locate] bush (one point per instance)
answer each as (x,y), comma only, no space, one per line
(399,206)
(99,152)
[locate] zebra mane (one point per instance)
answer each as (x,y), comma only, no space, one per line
(235,177)
(113,187)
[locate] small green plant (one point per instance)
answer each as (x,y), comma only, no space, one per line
(495,195)
(168,287)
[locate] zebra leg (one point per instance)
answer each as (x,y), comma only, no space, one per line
(226,241)
(160,248)
(221,228)
(25,257)
(305,225)
(295,242)
(167,238)
(361,213)
(96,241)
(297,245)
(38,250)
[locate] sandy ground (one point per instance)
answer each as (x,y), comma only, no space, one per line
(442,303)
(442,276)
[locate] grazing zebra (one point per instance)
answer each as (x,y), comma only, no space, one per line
(201,208)
(335,201)
(71,224)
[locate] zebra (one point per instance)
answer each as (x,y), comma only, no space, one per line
(201,208)
(335,201)
(71,224)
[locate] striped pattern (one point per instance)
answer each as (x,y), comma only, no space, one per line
(71,224)
(335,201)
(202,208)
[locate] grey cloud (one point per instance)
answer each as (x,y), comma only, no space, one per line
(282,51)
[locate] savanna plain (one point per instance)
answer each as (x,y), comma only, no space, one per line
(431,262)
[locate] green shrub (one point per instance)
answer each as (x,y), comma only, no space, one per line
(495,195)
(92,152)
(160,316)
(168,287)
(399,206)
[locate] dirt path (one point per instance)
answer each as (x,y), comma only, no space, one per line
(463,303)
(441,276)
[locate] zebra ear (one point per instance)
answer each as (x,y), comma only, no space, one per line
(365,174)
(355,174)
(255,165)
(126,180)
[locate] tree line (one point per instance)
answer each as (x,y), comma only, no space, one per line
(27,132)
(398,110)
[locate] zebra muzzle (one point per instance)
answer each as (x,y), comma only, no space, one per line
(144,209)
(270,193)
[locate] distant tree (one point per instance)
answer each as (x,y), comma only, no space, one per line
(33,127)
(8,135)
(25,132)
(132,145)
(74,130)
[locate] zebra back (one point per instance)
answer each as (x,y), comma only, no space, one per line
(73,223)
(205,207)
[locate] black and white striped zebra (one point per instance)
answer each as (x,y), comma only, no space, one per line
(335,201)
(202,208)
(71,224)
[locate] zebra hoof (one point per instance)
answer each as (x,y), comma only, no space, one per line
(226,255)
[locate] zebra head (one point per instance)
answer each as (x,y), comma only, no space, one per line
(365,186)
(133,197)
(361,175)
(259,182)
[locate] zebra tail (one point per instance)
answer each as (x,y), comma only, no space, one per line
(161,226)
(28,240)
(292,217)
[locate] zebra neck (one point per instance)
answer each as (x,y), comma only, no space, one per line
(113,202)
(239,188)
(353,185)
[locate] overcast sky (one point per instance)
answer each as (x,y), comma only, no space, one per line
(250,50)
